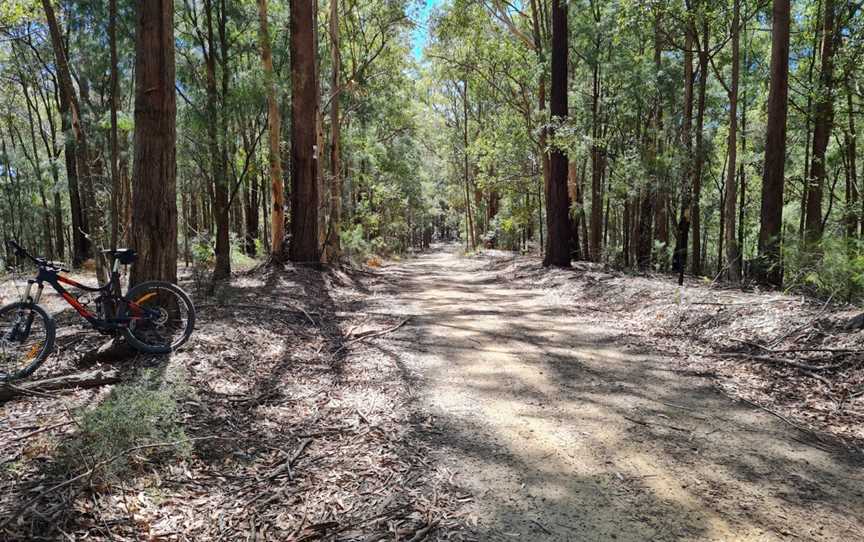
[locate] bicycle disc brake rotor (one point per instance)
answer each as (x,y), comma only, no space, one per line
(163,318)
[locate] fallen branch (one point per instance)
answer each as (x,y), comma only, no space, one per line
(288,465)
(263,308)
(372,335)
(820,378)
(646,424)
(805,325)
(42,430)
(811,433)
(39,387)
(541,526)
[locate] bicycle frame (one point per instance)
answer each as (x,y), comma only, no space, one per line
(55,279)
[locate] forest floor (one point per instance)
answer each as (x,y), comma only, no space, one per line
(454,398)
(298,431)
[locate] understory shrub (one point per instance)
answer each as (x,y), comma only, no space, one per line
(133,415)
(836,272)
(356,247)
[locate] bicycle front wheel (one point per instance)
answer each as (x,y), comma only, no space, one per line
(26,339)
(161,315)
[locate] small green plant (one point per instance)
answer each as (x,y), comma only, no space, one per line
(133,415)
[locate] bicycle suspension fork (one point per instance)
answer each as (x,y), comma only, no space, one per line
(27,300)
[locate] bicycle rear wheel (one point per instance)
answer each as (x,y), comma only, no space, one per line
(27,336)
(163,317)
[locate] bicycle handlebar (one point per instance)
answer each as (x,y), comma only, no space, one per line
(41,262)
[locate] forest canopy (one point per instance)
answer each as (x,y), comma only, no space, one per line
(717,138)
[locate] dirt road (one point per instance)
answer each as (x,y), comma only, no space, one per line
(564,430)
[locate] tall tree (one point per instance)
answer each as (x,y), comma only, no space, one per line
(699,158)
(304,138)
(274,126)
(557,201)
(851,142)
(597,159)
(770,230)
(334,230)
(70,106)
(115,98)
(217,128)
(154,196)
(733,260)
(679,262)
(823,122)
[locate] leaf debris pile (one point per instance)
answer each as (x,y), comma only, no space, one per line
(295,434)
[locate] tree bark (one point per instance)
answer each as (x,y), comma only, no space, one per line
(217,124)
(596,166)
(334,232)
(824,119)
(696,203)
(115,98)
(274,127)
(770,230)
(77,153)
(852,211)
(661,194)
(733,259)
(154,199)
(557,202)
(679,261)
(304,148)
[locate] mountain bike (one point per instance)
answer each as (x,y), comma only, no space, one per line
(155,317)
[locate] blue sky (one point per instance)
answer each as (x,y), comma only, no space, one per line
(421,33)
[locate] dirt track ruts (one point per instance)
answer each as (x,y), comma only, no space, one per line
(564,430)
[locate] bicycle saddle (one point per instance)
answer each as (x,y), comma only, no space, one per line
(125,255)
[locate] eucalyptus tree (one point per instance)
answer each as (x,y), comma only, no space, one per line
(154,204)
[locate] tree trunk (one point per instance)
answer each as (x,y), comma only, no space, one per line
(304,149)
(154,199)
(115,98)
(470,237)
(696,211)
(733,259)
(824,118)
(742,172)
(661,195)
(643,247)
(679,261)
(217,131)
(852,211)
(596,168)
(572,198)
(274,126)
(251,199)
(557,207)
(334,246)
(78,160)
(770,230)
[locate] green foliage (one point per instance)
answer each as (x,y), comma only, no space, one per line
(133,415)
(357,247)
(837,273)
(13,12)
